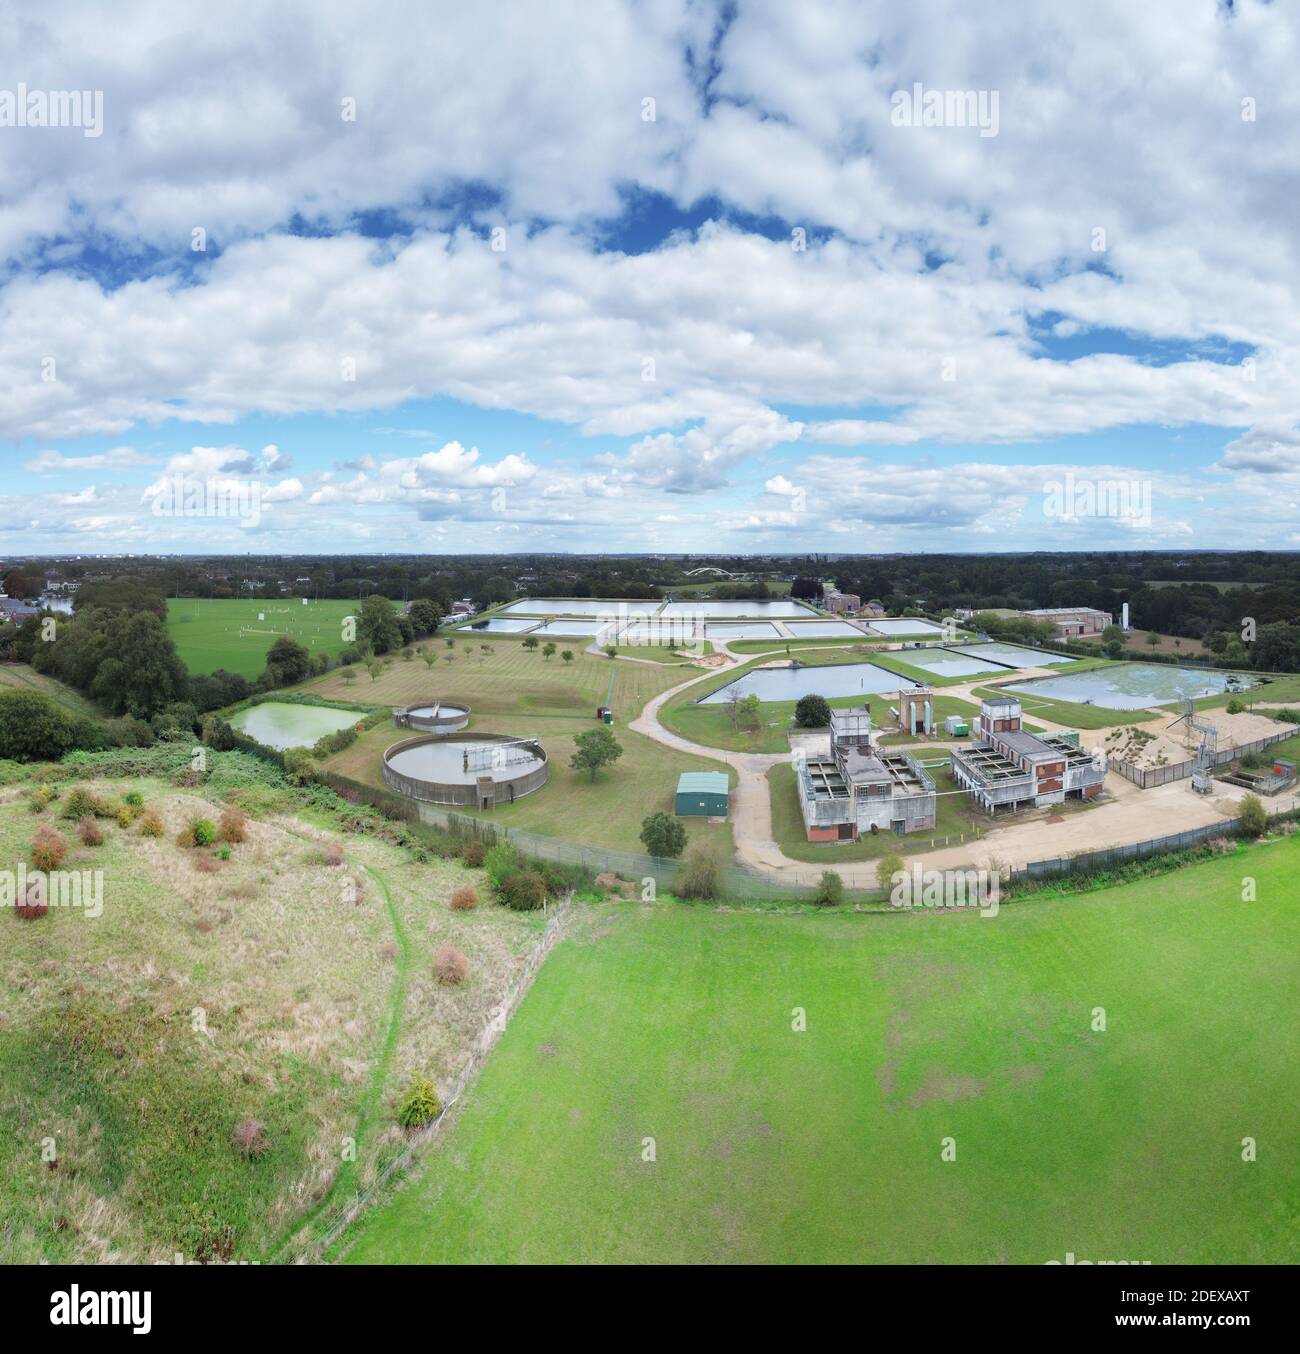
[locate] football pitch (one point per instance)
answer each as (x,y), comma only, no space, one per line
(236,634)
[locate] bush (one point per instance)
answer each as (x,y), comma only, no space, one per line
(234,824)
(419,1103)
(150,824)
(333,855)
(249,1138)
(34,728)
(523,891)
(48,849)
(501,861)
(830,890)
(887,867)
(134,798)
(90,832)
(300,766)
(39,798)
(217,734)
(35,904)
(126,815)
(473,853)
(700,875)
(1254,817)
(812,712)
(449,965)
(197,832)
(1235,707)
(464,898)
(663,835)
(80,801)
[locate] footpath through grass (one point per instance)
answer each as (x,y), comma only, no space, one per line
(655,1099)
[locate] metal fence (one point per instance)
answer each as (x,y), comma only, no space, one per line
(1147,777)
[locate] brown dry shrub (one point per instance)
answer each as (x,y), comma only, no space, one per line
(206,864)
(35,904)
(90,832)
(150,824)
(473,853)
(48,848)
(333,854)
(233,826)
(449,964)
(464,898)
(249,1138)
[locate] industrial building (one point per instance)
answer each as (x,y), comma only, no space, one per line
(859,788)
(1072,622)
(1010,768)
(701,794)
(842,603)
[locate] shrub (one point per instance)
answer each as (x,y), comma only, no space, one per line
(126,815)
(150,824)
(39,798)
(887,867)
(1254,816)
(464,898)
(197,832)
(419,1103)
(501,861)
(1235,707)
(134,798)
(249,1138)
(830,890)
(473,853)
(523,891)
(663,835)
(449,965)
(812,712)
(333,855)
(80,801)
(90,832)
(48,849)
(300,766)
(700,875)
(217,734)
(35,904)
(233,824)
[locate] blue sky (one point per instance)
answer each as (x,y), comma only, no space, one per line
(668,277)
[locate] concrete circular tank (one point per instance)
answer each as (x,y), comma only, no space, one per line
(440,717)
(470,770)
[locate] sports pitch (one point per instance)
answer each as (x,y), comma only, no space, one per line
(236,634)
(652,1100)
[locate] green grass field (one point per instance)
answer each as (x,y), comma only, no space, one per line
(211,634)
(20,677)
(671,1026)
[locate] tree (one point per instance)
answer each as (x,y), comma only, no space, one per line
(1152,639)
(424,615)
(377,624)
(287,662)
(1254,816)
(663,835)
(548,649)
(144,673)
(812,712)
(594,749)
(748,713)
(529,642)
(567,655)
(34,728)
(700,875)
(829,891)
(429,658)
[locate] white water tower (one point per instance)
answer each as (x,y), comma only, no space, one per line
(1123,620)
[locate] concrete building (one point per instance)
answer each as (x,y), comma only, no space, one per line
(859,788)
(842,603)
(1071,622)
(1009,768)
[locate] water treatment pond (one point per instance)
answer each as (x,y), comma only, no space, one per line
(904,625)
(462,762)
(1130,686)
(788,684)
(803,629)
(944,663)
(281,725)
(725,610)
(725,630)
(504,625)
(581,606)
(1013,655)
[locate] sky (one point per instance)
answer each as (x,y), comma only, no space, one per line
(649,277)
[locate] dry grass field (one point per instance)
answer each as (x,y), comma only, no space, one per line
(210,991)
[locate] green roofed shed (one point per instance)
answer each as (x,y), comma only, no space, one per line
(702,794)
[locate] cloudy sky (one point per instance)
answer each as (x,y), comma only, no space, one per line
(663,276)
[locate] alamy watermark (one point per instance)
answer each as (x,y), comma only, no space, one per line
(23,107)
(78,890)
(1072,499)
(183,495)
(916,889)
(921,107)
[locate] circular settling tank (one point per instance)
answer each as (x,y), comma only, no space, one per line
(476,771)
(441,717)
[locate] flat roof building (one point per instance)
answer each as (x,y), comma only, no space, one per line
(701,794)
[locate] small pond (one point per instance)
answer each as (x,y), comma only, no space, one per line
(281,725)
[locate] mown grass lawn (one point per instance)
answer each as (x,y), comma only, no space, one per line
(212,633)
(605,812)
(671,1026)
